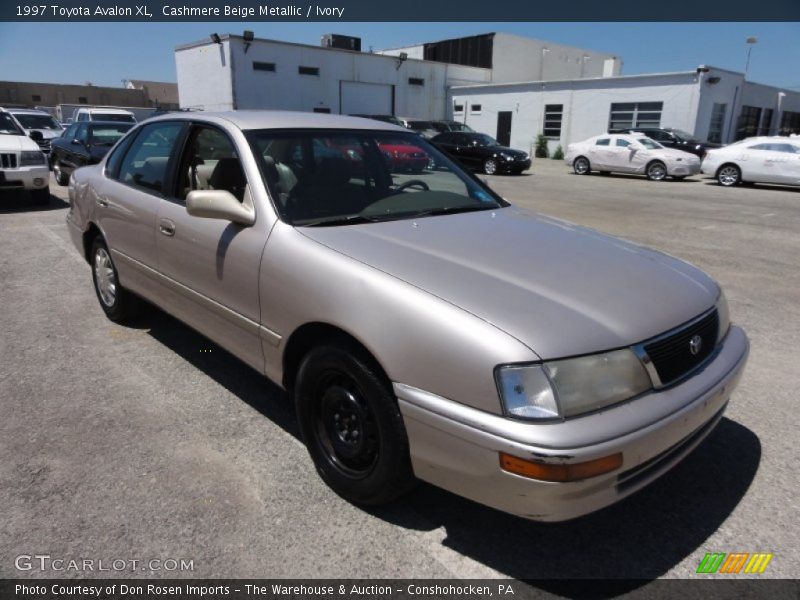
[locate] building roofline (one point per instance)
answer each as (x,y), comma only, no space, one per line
(575,80)
(231,36)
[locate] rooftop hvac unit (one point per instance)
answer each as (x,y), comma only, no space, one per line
(343,42)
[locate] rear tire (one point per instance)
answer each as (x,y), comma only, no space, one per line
(119,304)
(581,166)
(351,425)
(729,175)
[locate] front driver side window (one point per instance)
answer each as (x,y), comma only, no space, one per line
(145,164)
(211,163)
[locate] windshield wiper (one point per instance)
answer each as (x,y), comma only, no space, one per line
(345,220)
(451,210)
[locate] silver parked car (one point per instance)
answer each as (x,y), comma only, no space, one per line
(426,328)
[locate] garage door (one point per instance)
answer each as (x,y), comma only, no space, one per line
(358,98)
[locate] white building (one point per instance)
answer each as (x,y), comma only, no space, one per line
(516,58)
(237,74)
(510,87)
(713,104)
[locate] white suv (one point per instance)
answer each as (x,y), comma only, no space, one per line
(105,114)
(22,163)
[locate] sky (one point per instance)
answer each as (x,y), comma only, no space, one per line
(107,53)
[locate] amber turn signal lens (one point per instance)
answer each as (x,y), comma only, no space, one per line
(562,472)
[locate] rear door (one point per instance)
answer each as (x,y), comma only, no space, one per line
(787,163)
(211,266)
(129,199)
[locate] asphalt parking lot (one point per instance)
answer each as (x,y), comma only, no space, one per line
(148,441)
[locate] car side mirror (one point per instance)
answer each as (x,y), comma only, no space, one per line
(36,136)
(219,204)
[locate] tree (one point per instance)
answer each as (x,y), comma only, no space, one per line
(541,146)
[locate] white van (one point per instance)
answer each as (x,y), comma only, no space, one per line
(105,114)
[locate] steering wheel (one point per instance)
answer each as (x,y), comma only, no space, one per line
(411,183)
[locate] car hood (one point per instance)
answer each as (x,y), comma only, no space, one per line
(15,143)
(559,288)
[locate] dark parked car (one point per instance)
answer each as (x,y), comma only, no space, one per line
(84,143)
(384,118)
(442,126)
(482,152)
(673,138)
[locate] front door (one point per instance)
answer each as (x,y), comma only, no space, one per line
(211,266)
(504,128)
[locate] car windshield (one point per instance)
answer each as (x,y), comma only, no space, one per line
(7,125)
(107,135)
(115,117)
(484,140)
(327,178)
(648,143)
(33,121)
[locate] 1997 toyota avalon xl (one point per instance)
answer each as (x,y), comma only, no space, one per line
(424,326)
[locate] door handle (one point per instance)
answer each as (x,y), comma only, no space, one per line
(102,202)
(166,227)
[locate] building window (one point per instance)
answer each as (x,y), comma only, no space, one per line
(717,123)
(766,122)
(749,119)
(790,123)
(552,120)
(263,66)
(36,98)
(83,100)
(627,115)
(322,109)
(416,81)
(475,109)
(308,70)
(458,108)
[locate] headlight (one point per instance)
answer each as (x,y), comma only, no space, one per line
(506,157)
(723,315)
(27,159)
(566,388)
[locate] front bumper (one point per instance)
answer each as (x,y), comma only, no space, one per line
(457,447)
(508,166)
(29,178)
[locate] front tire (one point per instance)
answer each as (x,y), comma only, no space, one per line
(117,302)
(490,166)
(656,171)
(581,166)
(61,177)
(351,425)
(729,175)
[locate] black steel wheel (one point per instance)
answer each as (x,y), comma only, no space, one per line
(351,425)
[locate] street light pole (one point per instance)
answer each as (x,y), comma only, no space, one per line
(751,41)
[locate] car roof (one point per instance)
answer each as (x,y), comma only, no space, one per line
(281,119)
(29,111)
(106,110)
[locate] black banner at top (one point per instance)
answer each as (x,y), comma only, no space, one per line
(398,10)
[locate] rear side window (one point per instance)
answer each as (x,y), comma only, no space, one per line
(115,158)
(145,163)
(602,142)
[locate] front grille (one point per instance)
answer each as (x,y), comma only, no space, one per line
(673,357)
(8,161)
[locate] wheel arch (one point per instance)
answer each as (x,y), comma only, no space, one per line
(88,238)
(729,163)
(310,335)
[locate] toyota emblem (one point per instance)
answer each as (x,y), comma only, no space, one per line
(695,344)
